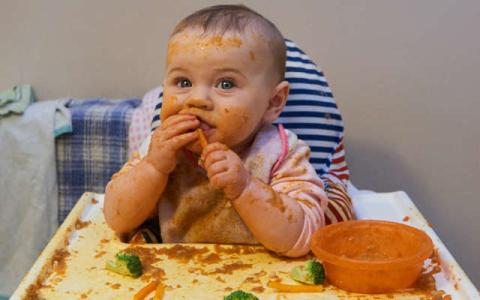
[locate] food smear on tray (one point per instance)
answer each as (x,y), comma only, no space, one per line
(183,269)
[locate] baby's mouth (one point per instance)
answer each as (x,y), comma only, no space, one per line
(204,126)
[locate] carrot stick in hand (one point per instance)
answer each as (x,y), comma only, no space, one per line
(201,137)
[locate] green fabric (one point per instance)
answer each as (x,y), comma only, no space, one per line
(16,99)
(3,298)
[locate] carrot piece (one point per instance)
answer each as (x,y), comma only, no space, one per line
(159,292)
(201,137)
(291,288)
(141,294)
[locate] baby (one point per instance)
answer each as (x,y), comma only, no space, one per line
(253,182)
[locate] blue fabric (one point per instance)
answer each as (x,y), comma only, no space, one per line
(94,151)
(311,111)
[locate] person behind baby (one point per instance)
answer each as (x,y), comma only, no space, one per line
(252,183)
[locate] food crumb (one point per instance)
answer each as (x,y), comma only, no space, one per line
(258,289)
(406,219)
(100,253)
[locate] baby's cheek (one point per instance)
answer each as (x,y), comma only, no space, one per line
(169,107)
(237,124)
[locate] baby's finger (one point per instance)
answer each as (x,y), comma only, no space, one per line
(213,157)
(212,147)
(217,168)
(182,140)
(220,180)
(181,127)
(172,120)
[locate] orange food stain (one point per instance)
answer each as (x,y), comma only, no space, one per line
(225,269)
(58,261)
(210,259)
(216,41)
(99,254)
(115,286)
(229,268)
(251,279)
(239,250)
(80,224)
(173,98)
(258,289)
(307,203)
(32,290)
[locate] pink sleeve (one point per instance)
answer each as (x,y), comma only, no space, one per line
(296,178)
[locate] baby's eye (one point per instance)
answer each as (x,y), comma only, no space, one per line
(225,84)
(184,83)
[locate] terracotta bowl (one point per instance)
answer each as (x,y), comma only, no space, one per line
(370,256)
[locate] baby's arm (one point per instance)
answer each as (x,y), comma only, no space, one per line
(283,215)
(132,194)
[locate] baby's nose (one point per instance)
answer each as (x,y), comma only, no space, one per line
(201,101)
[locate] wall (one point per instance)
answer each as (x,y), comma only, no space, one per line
(405,75)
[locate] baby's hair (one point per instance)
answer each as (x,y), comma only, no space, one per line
(236,18)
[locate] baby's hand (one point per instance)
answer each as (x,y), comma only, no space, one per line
(175,133)
(225,169)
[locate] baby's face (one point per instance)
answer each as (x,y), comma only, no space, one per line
(226,81)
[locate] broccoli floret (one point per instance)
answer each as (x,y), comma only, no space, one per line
(311,272)
(125,264)
(240,295)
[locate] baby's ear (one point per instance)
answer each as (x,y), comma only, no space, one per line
(277,102)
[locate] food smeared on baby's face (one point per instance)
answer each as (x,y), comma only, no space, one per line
(192,42)
(224,80)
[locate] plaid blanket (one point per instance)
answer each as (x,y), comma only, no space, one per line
(97,148)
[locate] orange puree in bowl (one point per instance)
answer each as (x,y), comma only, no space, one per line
(371,256)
